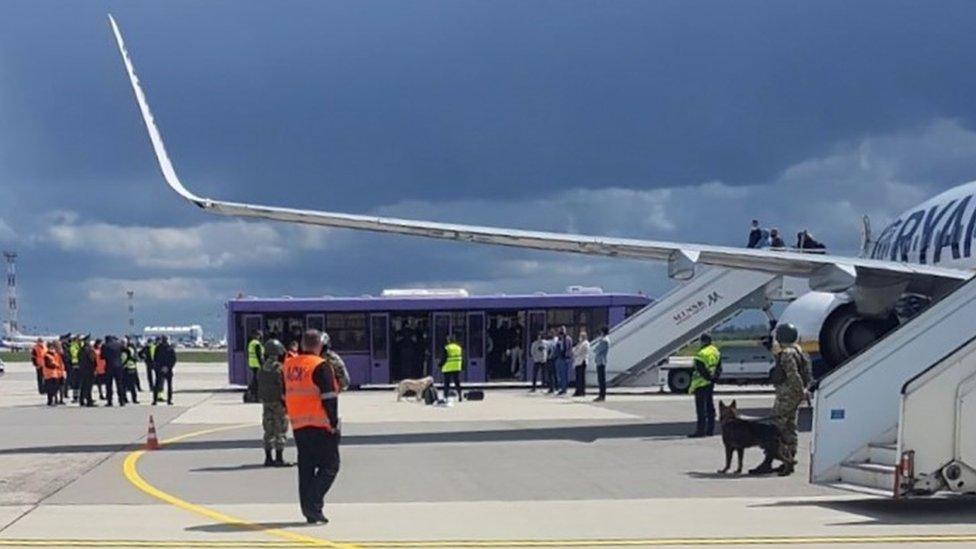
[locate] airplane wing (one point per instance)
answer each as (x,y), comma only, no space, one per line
(825,272)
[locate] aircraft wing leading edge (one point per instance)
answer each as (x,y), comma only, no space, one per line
(825,272)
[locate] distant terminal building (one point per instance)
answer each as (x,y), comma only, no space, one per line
(401,333)
(190,336)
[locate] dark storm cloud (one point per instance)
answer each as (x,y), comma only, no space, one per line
(457,109)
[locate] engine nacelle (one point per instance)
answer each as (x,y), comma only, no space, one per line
(831,329)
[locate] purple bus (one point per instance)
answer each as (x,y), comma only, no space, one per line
(402,335)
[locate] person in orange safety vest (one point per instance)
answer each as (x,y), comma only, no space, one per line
(312,401)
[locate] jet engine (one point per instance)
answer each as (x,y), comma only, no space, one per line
(833,321)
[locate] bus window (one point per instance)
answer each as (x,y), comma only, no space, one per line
(631,310)
(347,332)
(442,327)
(561,317)
(379,333)
(247,324)
(315,322)
(476,336)
(596,318)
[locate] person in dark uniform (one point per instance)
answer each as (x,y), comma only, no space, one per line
(86,373)
(165,361)
(312,400)
(112,355)
(146,354)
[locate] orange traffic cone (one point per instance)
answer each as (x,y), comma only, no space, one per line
(152,441)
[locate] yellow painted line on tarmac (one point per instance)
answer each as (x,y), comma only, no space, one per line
(291,539)
(143,543)
(129,468)
(672,542)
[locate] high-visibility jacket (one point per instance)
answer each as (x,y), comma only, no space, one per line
(74,349)
(152,351)
(453,361)
(303,398)
(255,352)
(52,365)
(129,360)
(99,362)
(710,356)
(37,355)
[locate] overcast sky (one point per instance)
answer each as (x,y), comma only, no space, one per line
(667,120)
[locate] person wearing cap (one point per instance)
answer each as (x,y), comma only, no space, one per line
(791,376)
(114,375)
(312,402)
(255,358)
(335,361)
(706,363)
(165,360)
(271,392)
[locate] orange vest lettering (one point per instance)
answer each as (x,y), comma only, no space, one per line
(303,398)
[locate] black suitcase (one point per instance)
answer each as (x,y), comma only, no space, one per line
(474,395)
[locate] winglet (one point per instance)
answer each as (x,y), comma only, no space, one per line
(169,173)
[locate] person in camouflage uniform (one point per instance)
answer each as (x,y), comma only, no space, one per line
(334,360)
(791,378)
(271,391)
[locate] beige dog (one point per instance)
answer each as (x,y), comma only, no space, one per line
(416,385)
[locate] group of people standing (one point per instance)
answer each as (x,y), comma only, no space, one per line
(78,365)
(760,237)
(553,356)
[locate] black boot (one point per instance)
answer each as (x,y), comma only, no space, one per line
(279,460)
(765,468)
(267,458)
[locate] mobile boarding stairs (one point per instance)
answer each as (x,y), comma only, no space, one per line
(642,342)
(899,419)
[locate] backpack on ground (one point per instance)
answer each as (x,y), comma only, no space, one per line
(474,395)
(430,395)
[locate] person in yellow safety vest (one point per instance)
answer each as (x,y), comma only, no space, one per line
(130,370)
(453,364)
(255,358)
(147,353)
(73,372)
(703,378)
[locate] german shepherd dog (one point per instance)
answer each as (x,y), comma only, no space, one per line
(739,434)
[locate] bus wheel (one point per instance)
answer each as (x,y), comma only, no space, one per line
(679,381)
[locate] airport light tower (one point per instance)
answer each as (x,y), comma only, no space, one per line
(132,315)
(11,258)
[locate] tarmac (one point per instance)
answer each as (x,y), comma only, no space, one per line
(514,470)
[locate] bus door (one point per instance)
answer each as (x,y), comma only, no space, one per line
(238,367)
(441,327)
(474,350)
(537,323)
(379,348)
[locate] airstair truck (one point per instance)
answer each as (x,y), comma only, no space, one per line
(900,418)
(641,343)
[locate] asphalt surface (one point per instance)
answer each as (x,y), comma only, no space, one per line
(516,469)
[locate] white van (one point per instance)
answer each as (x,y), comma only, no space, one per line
(740,365)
